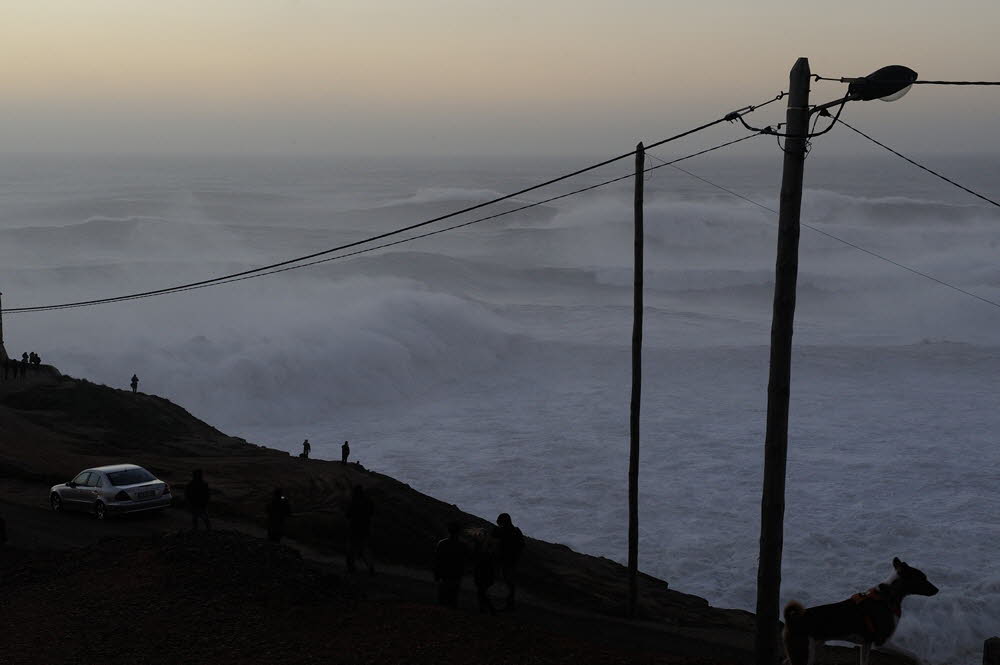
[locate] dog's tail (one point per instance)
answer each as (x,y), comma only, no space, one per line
(796,638)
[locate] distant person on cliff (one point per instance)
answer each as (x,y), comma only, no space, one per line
(35,359)
(345,452)
(449,564)
(278,510)
(135,383)
(306,449)
(510,544)
(359,523)
(196,496)
(483,571)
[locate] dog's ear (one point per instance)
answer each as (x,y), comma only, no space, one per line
(896,563)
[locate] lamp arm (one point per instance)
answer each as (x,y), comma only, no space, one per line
(823,107)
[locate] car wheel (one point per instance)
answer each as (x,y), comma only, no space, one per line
(56,501)
(99,510)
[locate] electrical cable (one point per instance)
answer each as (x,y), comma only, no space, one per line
(845,242)
(935,173)
(277,268)
(845,79)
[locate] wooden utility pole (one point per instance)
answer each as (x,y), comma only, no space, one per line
(3,349)
(772,508)
(633,453)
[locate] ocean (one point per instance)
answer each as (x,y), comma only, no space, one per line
(489,366)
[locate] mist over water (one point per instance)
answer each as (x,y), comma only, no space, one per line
(489,366)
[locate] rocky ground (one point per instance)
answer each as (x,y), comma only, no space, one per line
(146,590)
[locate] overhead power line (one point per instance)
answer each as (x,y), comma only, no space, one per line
(838,239)
(240,277)
(846,79)
(932,172)
(729,117)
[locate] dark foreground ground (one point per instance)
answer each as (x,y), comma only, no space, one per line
(225,597)
(144,589)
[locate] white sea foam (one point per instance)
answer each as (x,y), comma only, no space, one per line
(489,366)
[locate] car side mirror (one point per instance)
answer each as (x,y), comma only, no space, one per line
(71,484)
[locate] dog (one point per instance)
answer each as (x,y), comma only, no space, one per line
(864,618)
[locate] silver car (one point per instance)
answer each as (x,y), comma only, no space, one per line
(109,490)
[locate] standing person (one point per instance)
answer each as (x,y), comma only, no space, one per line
(483,572)
(196,496)
(306,449)
(345,452)
(135,383)
(278,511)
(449,564)
(510,544)
(359,522)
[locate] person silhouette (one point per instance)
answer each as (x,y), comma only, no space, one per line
(449,564)
(306,449)
(510,544)
(135,383)
(345,452)
(196,495)
(278,510)
(359,522)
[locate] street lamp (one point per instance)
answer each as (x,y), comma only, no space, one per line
(888,84)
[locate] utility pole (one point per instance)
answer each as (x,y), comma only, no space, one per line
(772,508)
(3,349)
(633,454)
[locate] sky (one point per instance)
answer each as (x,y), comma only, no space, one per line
(469,76)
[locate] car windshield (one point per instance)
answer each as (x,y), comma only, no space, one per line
(130,477)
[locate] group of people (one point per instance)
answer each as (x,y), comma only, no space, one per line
(497,549)
(486,551)
(13,369)
(197,494)
(345,451)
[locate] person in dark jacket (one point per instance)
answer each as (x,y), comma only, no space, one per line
(345,452)
(306,449)
(196,496)
(510,544)
(449,564)
(278,510)
(359,524)
(134,383)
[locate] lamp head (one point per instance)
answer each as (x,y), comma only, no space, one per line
(888,84)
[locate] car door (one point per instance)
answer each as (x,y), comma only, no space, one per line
(76,495)
(95,484)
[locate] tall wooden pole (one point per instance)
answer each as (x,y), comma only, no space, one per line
(633,455)
(772,508)
(3,349)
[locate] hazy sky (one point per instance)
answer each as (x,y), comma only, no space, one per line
(469,76)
